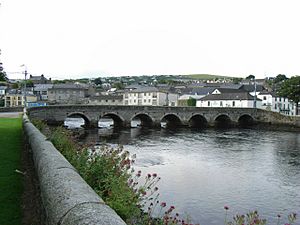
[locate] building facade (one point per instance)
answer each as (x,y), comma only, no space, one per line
(69,94)
(275,103)
(149,96)
(229,98)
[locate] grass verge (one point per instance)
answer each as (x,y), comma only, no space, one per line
(10,181)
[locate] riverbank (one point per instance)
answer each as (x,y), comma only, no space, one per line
(10,164)
(19,196)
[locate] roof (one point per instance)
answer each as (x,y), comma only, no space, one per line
(42,87)
(229,96)
(251,87)
(37,77)
(231,86)
(68,86)
(142,89)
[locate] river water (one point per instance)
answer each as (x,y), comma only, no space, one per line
(203,170)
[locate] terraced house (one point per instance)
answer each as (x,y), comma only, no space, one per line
(145,95)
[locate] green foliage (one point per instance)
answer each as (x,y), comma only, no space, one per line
(118,85)
(191,102)
(2,103)
(3,76)
(290,88)
(279,78)
(236,80)
(10,181)
(98,81)
(29,83)
(250,77)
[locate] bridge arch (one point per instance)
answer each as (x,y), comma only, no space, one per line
(245,120)
(145,119)
(222,121)
(198,121)
(171,120)
(85,118)
(118,121)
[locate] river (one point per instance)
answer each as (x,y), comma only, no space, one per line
(203,170)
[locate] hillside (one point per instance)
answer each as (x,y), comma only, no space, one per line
(208,77)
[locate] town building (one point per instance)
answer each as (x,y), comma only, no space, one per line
(229,98)
(106,100)
(39,79)
(70,93)
(145,95)
(41,91)
(275,103)
(15,98)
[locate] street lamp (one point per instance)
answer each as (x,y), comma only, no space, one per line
(25,72)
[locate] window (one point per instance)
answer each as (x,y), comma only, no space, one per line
(233,103)
(208,103)
(265,97)
(149,100)
(275,106)
(221,103)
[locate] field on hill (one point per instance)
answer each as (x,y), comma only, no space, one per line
(208,76)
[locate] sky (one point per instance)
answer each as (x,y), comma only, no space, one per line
(65,39)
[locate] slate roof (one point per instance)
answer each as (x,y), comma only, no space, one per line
(229,96)
(42,87)
(142,89)
(68,86)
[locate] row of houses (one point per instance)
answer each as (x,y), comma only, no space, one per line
(223,95)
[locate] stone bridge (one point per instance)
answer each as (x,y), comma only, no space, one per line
(152,116)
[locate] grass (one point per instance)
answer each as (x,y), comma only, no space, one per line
(10,181)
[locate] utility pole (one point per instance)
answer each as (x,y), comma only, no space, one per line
(25,100)
(254,102)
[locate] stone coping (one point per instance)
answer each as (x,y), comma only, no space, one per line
(67,199)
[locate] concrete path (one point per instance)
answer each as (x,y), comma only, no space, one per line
(10,114)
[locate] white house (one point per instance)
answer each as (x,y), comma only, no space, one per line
(275,103)
(229,98)
(144,95)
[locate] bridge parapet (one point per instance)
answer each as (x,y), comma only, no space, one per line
(154,115)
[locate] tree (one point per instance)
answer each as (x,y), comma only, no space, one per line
(290,89)
(191,102)
(250,77)
(3,76)
(279,78)
(98,81)
(118,85)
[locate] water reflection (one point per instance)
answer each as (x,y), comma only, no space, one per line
(203,170)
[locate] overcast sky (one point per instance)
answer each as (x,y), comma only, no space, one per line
(91,38)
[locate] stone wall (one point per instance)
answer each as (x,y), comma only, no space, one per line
(11,109)
(124,114)
(67,199)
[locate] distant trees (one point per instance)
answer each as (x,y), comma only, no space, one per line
(3,76)
(279,78)
(250,77)
(290,88)
(98,81)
